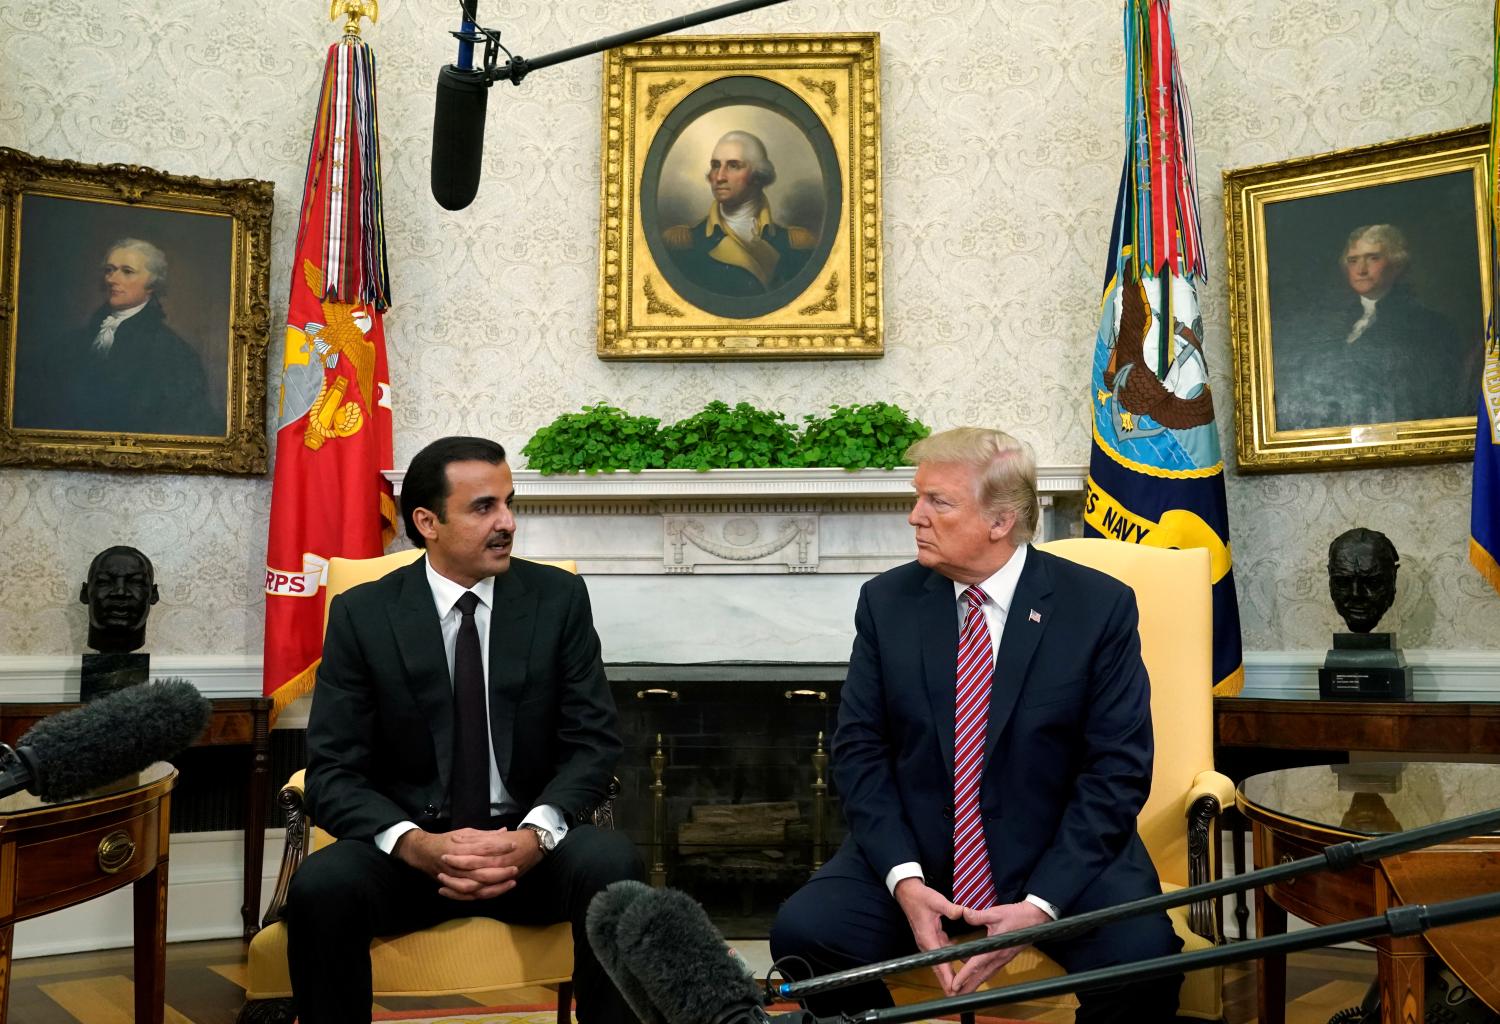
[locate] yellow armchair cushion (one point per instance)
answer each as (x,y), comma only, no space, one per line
(471,954)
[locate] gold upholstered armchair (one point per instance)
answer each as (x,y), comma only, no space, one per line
(466,955)
(1179,821)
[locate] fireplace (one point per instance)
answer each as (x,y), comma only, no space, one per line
(724,782)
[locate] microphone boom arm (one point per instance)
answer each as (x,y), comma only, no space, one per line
(1338,857)
(517,68)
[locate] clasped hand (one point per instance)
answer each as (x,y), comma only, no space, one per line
(926,909)
(471,864)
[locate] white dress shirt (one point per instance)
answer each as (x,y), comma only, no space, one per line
(445,595)
(107,327)
(999,591)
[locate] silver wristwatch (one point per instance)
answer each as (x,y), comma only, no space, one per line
(544,838)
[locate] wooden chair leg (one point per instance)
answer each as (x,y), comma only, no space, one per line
(565,1003)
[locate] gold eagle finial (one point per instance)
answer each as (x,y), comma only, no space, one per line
(353,10)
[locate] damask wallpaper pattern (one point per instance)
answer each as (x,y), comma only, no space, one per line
(1002,142)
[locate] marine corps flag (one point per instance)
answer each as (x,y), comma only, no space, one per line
(1484,516)
(334,433)
(1155,473)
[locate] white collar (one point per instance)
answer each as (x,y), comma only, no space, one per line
(1000,588)
(445,592)
(125,314)
(1368,304)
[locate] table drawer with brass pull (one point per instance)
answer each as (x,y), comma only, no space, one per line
(70,867)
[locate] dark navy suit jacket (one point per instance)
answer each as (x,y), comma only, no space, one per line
(1068,748)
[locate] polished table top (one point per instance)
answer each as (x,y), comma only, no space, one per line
(1371,798)
(22,802)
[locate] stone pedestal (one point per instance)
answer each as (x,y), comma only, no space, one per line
(1364,666)
(105,673)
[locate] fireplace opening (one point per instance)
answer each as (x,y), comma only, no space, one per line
(724,783)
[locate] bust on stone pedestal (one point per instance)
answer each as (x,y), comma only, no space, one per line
(119,590)
(1363,665)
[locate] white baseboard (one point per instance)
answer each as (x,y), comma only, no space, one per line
(204,892)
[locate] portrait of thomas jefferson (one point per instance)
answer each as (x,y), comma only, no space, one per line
(121,367)
(1369,349)
(739,248)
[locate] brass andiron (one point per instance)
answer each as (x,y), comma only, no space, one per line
(658,817)
(353,10)
(820,800)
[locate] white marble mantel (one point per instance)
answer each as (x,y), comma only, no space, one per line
(729,565)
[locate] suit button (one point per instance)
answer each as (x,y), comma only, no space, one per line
(431,810)
(948,811)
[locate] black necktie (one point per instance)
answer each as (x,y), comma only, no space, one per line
(471,730)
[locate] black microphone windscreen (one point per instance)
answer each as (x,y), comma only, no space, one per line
(458,136)
(602,924)
(682,962)
(111,737)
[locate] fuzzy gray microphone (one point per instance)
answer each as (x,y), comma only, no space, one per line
(71,753)
(680,962)
(603,926)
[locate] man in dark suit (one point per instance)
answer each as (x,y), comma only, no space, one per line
(126,369)
(993,750)
(460,729)
(739,250)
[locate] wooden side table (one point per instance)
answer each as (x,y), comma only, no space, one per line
(58,855)
(236,722)
(1299,811)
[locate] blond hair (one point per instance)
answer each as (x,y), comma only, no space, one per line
(1005,467)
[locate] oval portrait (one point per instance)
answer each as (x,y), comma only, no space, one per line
(741,197)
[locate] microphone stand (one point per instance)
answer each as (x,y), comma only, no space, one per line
(517,68)
(1338,857)
(1399,921)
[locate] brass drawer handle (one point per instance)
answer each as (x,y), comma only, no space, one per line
(656,693)
(807,696)
(116,850)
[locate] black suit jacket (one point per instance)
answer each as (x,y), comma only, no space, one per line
(1068,748)
(380,735)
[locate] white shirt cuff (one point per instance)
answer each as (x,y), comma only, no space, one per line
(900,873)
(386,840)
(1047,908)
(548,818)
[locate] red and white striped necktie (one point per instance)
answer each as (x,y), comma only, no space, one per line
(973,885)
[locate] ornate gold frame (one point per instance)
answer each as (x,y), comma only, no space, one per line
(838,313)
(1262,447)
(247,203)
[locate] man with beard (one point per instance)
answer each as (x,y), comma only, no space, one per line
(125,370)
(460,730)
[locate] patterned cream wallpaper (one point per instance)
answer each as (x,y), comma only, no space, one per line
(1002,146)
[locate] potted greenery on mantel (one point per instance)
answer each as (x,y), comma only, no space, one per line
(605,439)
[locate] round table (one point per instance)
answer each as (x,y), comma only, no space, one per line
(60,854)
(1299,811)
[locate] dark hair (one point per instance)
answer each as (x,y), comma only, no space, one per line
(1380,545)
(426,482)
(122,549)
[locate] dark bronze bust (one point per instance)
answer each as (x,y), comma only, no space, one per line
(1362,568)
(119,590)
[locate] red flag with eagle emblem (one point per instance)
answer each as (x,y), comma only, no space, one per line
(333,437)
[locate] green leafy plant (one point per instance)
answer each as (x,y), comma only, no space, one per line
(860,436)
(723,438)
(599,439)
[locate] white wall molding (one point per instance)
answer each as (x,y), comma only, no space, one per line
(1436,675)
(1452,675)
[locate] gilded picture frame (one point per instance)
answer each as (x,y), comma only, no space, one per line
(134,318)
(753,265)
(1358,294)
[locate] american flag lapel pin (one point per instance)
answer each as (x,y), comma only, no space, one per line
(1035,616)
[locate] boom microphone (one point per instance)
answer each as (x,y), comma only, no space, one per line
(603,925)
(69,754)
(681,964)
(463,91)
